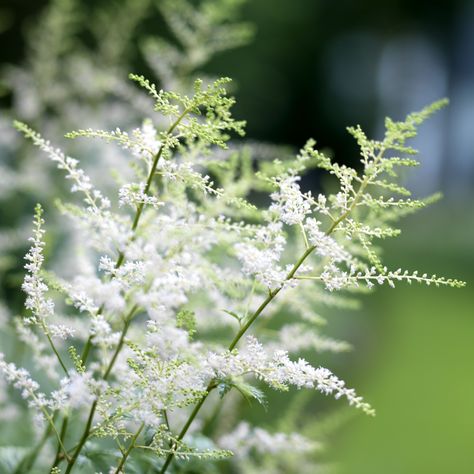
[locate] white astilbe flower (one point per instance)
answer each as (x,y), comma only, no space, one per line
(372,275)
(128,274)
(325,246)
(142,143)
(60,331)
(81,182)
(42,308)
(99,292)
(156,384)
(102,333)
(290,204)
(260,256)
(334,278)
(133,194)
(321,204)
(147,138)
(245,439)
(278,371)
(167,342)
(107,233)
(82,301)
(79,389)
(21,380)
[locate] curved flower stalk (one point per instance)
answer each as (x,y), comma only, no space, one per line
(180,251)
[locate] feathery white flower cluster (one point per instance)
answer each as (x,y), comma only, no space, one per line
(142,143)
(133,194)
(290,205)
(81,182)
(325,246)
(245,439)
(128,275)
(42,357)
(20,378)
(279,372)
(33,284)
(260,256)
(101,332)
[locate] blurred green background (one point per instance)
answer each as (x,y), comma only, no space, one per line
(314,67)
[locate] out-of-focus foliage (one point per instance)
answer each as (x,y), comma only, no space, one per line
(75,72)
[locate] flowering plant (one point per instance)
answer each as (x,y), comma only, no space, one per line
(129,344)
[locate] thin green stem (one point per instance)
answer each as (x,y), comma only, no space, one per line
(126,454)
(88,344)
(305,237)
(308,277)
(185,428)
(153,171)
(53,347)
(269,298)
(53,427)
(58,457)
(87,430)
(167,421)
(127,322)
(249,300)
(83,439)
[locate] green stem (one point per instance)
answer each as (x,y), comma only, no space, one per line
(51,343)
(152,174)
(269,298)
(126,454)
(128,320)
(185,428)
(87,430)
(83,439)
(53,427)
(305,237)
(232,345)
(58,457)
(119,262)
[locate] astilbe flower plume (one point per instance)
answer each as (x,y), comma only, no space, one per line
(175,254)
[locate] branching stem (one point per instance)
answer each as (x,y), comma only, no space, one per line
(271,295)
(119,262)
(130,448)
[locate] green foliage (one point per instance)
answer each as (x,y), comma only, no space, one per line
(77,361)
(199,31)
(186,319)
